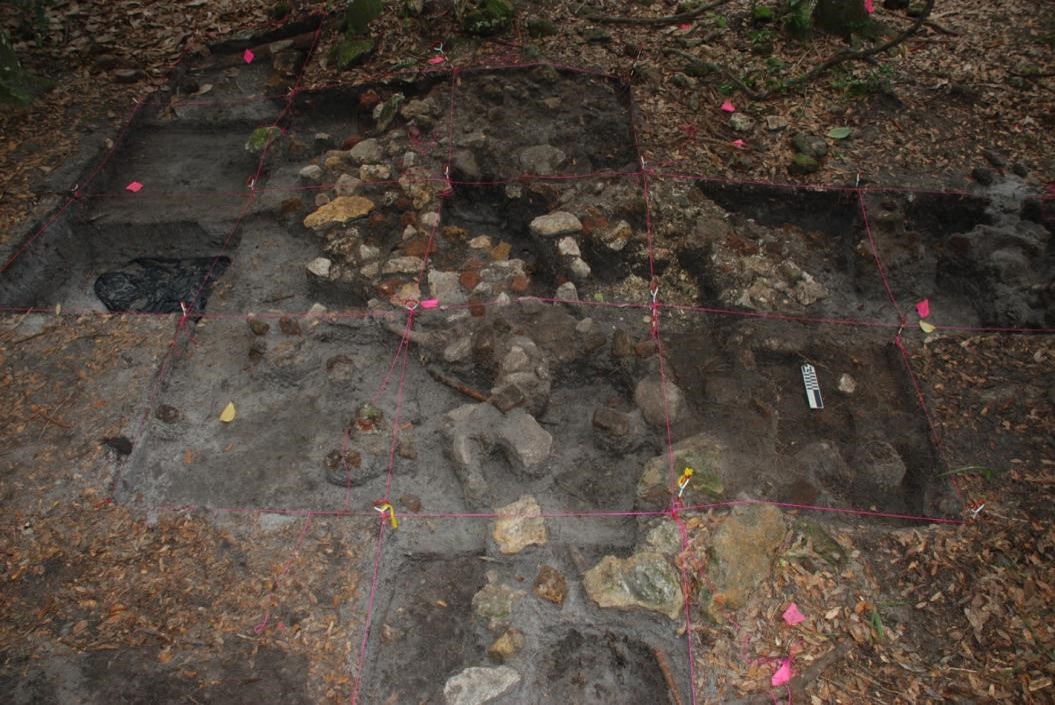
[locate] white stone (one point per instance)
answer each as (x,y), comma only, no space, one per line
(458,350)
(446,287)
(568,247)
(567,292)
(741,122)
(409,232)
(347,185)
(553,224)
(366,152)
(374,172)
(579,268)
(430,220)
(320,267)
(617,236)
(478,686)
(316,312)
(312,172)
(776,122)
(847,384)
(481,242)
(403,265)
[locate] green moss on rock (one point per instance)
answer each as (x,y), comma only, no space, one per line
(261,138)
(489,17)
(352,50)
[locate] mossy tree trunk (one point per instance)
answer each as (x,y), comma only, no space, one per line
(842,17)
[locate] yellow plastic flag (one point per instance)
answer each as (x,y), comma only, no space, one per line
(927,327)
(229,412)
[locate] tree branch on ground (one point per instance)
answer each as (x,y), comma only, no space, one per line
(679,18)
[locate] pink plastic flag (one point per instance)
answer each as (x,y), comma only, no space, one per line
(728,106)
(685,27)
(248,56)
(134,187)
(739,144)
(923,308)
(869,7)
(793,616)
(783,674)
(438,59)
(430,303)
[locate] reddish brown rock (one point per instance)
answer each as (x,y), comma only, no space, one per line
(550,585)
(469,279)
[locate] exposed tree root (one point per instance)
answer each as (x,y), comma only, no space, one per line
(658,21)
(818,70)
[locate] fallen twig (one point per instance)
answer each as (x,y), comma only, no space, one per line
(672,685)
(818,70)
(797,685)
(679,18)
(454,384)
(28,338)
(49,420)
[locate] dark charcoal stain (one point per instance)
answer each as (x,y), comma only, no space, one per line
(832,213)
(603,669)
(940,216)
(160,284)
(119,445)
(432,642)
(134,676)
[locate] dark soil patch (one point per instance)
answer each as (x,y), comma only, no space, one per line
(594,668)
(748,388)
(136,676)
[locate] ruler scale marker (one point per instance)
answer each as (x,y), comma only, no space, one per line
(813,388)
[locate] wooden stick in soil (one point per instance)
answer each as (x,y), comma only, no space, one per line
(456,385)
(672,685)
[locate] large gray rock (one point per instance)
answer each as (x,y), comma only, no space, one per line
(645,580)
(617,432)
(523,378)
(474,430)
(446,287)
(366,152)
(526,444)
(810,145)
(478,685)
(542,159)
(659,401)
(879,462)
(493,604)
(823,462)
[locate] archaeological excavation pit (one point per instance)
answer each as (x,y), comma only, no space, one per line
(453,294)
(530,623)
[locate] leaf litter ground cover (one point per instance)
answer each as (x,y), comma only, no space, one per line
(597,402)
